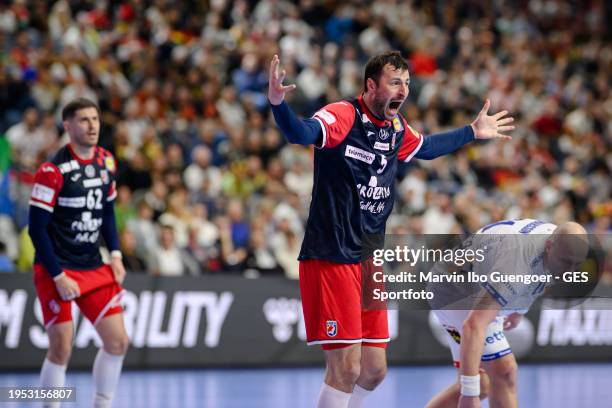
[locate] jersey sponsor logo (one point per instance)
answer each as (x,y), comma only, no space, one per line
(326,117)
(384,134)
(109,162)
(381,146)
(96,182)
(72,202)
(373,191)
(76,177)
(359,154)
(87,223)
(90,171)
(43,193)
(331,328)
(370,133)
(104,176)
(393,140)
(495,337)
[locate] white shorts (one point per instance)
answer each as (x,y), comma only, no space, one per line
(496,345)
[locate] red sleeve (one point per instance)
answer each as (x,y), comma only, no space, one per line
(411,144)
(336,120)
(48,182)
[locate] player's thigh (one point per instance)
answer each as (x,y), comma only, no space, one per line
(60,335)
(101,302)
(331,302)
(113,334)
(344,358)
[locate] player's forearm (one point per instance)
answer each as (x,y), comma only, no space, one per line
(37,229)
(439,144)
(295,130)
(109,228)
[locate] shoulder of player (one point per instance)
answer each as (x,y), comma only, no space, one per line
(337,109)
(49,168)
(107,159)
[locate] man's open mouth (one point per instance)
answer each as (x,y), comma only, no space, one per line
(394,104)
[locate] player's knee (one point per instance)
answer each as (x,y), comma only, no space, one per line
(59,352)
(373,375)
(118,345)
(345,373)
(505,373)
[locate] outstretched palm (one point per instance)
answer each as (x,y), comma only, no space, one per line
(492,126)
(276,89)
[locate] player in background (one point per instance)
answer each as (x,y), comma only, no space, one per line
(71,206)
(358,144)
(480,350)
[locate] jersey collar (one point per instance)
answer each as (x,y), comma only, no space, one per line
(371,116)
(79,159)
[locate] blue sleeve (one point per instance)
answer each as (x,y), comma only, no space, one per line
(296,131)
(38,221)
(439,144)
(109,227)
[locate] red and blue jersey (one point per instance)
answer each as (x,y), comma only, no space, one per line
(75,191)
(355,166)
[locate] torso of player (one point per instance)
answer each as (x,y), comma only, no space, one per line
(354,180)
(75,191)
(519,247)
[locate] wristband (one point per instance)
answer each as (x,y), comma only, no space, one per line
(116,254)
(470,385)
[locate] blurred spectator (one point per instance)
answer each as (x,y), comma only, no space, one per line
(6,264)
(168,258)
(131,260)
(186,114)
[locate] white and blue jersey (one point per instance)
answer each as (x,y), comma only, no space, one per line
(513,247)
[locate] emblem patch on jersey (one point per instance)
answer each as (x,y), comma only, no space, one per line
(104,176)
(43,193)
(397,125)
(109,162)
(359,154)
(331,328)
(393,140)
(90,171)
(384,134)
(381,146)
(54,306)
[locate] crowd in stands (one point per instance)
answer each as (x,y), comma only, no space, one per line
(206,183)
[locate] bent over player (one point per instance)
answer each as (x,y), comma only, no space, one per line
(70,207)
(359,145)
(475,324)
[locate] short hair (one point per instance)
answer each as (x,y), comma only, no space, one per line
(77,104)
(375,65)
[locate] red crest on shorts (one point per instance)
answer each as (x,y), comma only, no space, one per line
(331,327)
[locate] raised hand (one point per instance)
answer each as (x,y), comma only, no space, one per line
(276,89)
(492,126)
